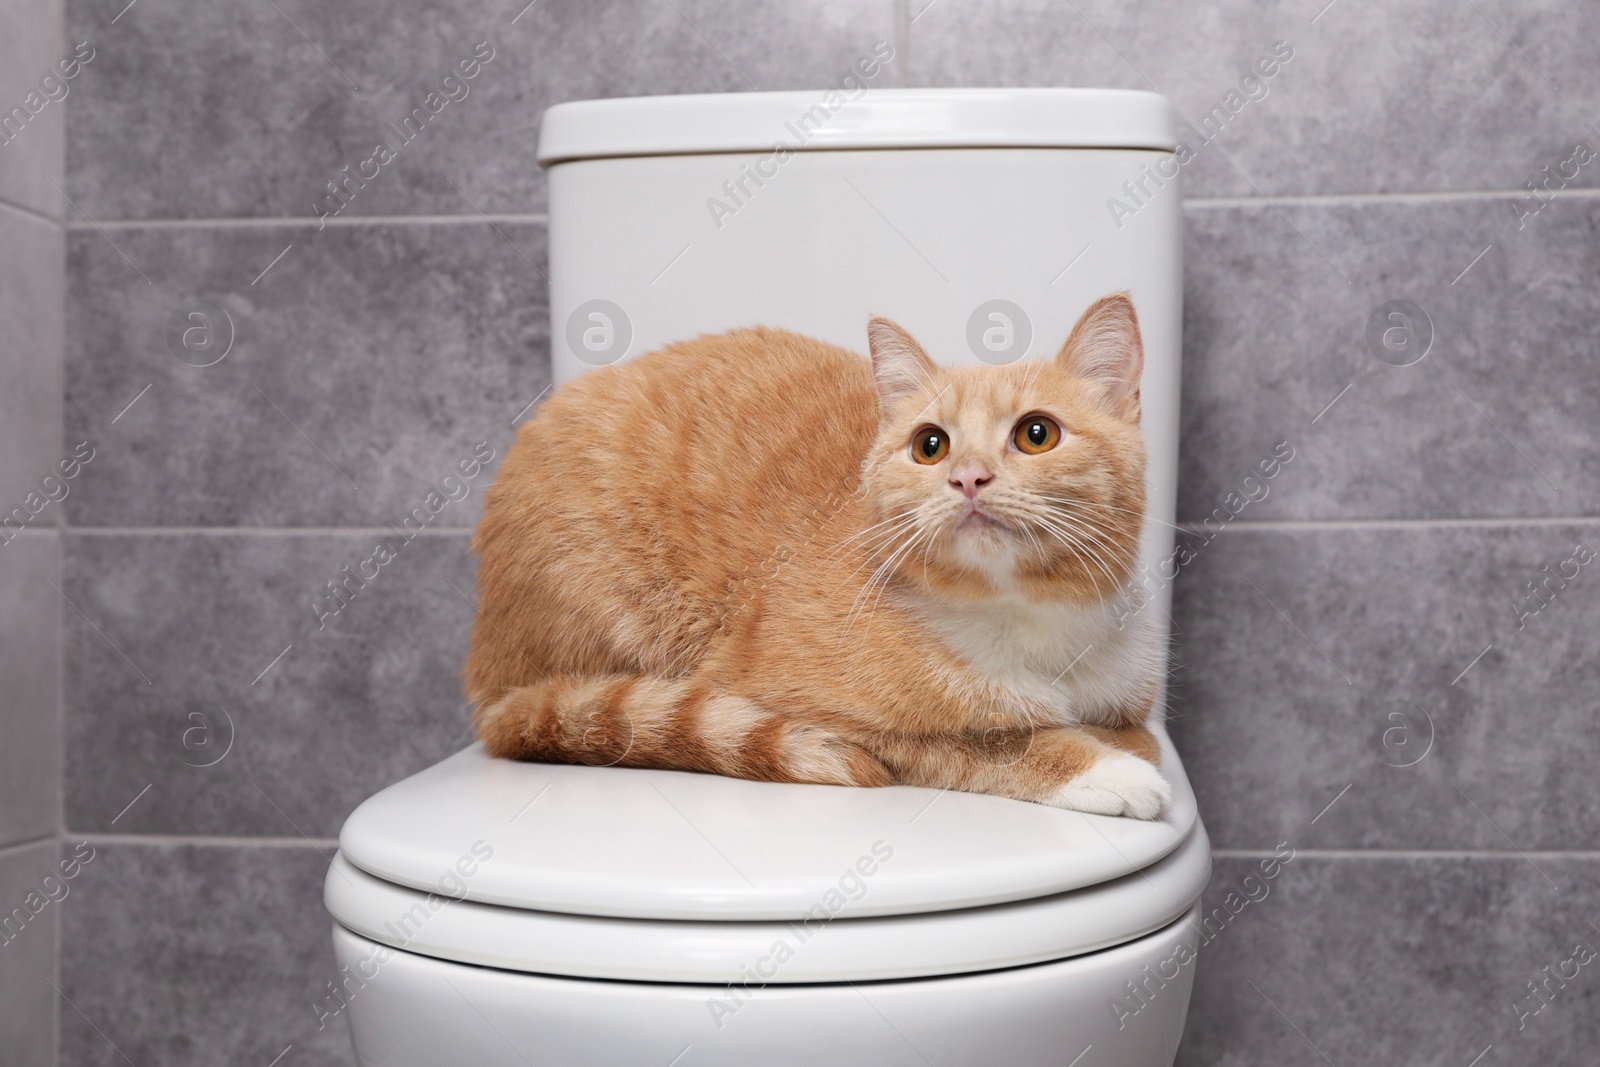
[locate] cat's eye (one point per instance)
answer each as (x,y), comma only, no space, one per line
(1036,433)
(929,445)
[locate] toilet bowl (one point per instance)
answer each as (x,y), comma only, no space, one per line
(491,912)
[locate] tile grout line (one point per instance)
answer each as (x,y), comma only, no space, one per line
(1406,853)
(268,222)
(1199,202)
(61,696)
(1335,199)
(32,842)
(1197,527)
(1192,527)
(31,213)
(261,531)
(205,840)
(59,566)
(246,841)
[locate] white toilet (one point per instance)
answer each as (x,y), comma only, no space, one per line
(499,913)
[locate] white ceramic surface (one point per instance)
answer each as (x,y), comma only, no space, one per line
(869,118)
(415,1011)
(673,845)
(1009,195)
(927,237)
(835,943)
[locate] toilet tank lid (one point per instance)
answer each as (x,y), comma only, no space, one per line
(648,844)
(870,118)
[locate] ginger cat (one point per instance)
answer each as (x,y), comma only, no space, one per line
(758,555)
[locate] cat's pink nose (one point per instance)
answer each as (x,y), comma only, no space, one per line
(970,477)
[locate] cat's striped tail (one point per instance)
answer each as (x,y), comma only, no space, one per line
(671,724)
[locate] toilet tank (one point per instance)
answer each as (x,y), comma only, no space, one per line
(983,220)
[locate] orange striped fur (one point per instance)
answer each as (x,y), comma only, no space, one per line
(724,556)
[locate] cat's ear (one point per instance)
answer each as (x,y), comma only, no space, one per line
(899,365)
(1105,347)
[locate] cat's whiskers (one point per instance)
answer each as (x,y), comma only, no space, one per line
(1107,536)
(868,542)
(1112,507)
(1097,539)
(871,546)
(900,516)
(871,549)
(1113,541)
(883,584)
(1012,512)
(1038,546)
(927,546)
(1074,547)
(879,577)
(910,532)
(1083,550)
(1096,535)
(872,533)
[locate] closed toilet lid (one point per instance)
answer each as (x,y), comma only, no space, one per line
(665,845)
(828,946)
(803,121)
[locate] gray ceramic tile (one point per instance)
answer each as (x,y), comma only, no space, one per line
(1443,96)
(1422,961)
(366,364)
(30,687)
(32,893)
(32,491)
(32,288)
(1376,961)
(1353,667)
(198,956)
(33,98)
(206,109)
(178,652)
(1499,417)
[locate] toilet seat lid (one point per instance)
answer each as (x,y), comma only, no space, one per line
(822,120)
(647,844)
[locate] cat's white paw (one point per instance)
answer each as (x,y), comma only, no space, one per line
(1119,784)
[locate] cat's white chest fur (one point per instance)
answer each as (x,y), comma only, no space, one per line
(1069,663)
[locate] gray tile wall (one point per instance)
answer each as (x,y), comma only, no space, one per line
(1360,671)
(29,966)
(32,496)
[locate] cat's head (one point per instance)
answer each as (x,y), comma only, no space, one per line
(1025,479)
